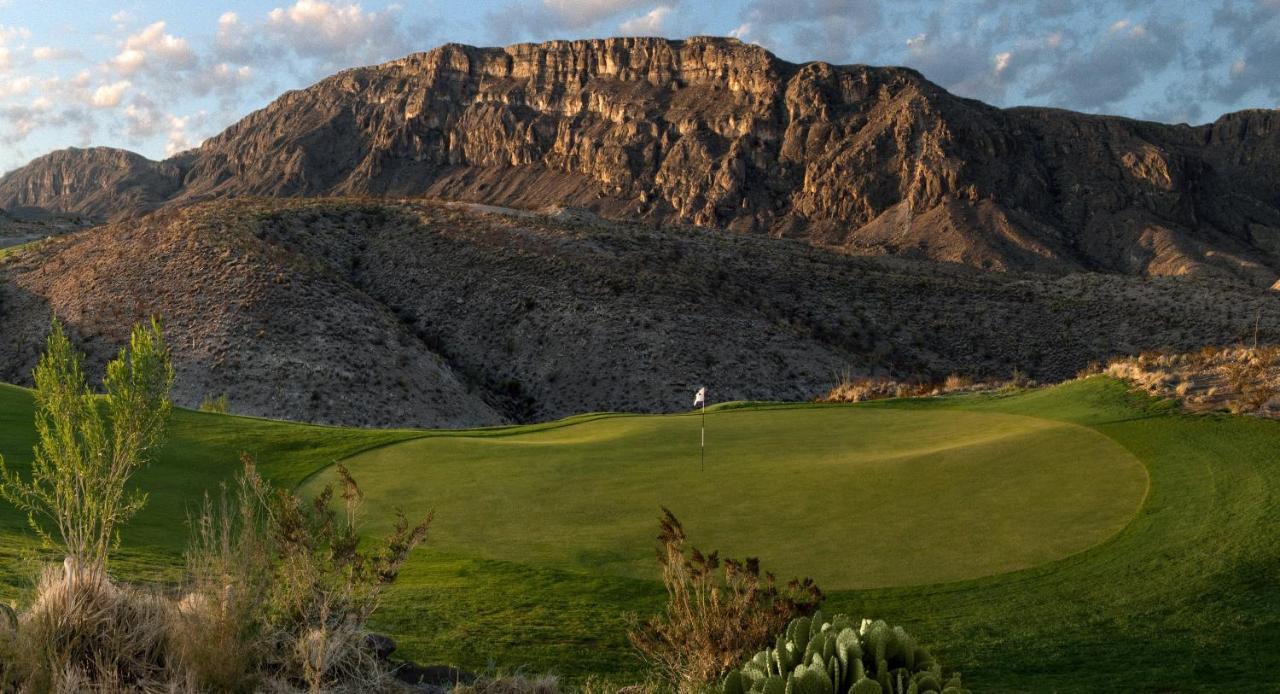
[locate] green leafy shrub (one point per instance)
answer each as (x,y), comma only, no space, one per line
(83,632)
(89,447)
(842,656)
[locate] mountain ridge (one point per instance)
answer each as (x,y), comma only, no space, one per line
(713,132)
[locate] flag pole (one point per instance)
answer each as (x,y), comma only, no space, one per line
(704,434)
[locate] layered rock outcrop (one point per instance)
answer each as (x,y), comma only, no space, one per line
(713,132)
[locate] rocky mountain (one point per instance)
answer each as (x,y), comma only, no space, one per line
(96,182)
(716,133)
(370,312)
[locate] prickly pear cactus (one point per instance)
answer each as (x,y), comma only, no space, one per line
(842,656)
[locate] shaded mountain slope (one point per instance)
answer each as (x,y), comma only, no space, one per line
(384,312)
(712,132)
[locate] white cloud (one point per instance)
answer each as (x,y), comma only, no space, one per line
(49,53)
(555,17)
(153,47)
(824,29)
(1129,54)
(321,29)
(584,13)
(20,122)
(1002,61)
(964,63)
(235,41)
(742,32)
(180,139)
(129,61)
(110,95)
(142,118)
(8,34)
(224,78)
(15,87)
(650,23)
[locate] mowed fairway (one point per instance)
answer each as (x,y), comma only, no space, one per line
(854,497)
(1168,578)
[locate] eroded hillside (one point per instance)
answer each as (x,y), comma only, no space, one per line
(433,314)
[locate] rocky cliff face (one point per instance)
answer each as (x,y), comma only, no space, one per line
(97,182)
(716,133)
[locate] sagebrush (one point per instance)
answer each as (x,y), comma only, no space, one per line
(717,611)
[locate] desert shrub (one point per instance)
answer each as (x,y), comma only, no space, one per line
(1256,395)
(85,633)
(9,648)
(860,388)
(229,570)
(87,450)
(717,611)
(850,388)
(325,586)
(1093,368)
(842,656)
(287,586)
(215,404)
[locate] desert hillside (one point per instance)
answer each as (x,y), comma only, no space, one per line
(716,133)
(438,314)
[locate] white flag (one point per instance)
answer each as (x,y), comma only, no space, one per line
(700,398)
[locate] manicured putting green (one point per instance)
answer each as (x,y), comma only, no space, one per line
(855,497)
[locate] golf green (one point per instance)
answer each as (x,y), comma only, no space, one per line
(1183,597)
(853,497)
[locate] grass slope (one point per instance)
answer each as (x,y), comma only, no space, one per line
(854,497)
(202,451)
(1185,597)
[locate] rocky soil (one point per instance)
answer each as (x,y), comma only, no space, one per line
(720,134)
(371,312)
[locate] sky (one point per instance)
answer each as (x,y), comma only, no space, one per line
(159,77)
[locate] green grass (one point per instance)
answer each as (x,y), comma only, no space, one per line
(14,249)
(908,497)
(1149,536)
(202,451)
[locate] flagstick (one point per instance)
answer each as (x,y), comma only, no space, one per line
(704,434)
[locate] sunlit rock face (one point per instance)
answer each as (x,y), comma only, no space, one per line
(713,132)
